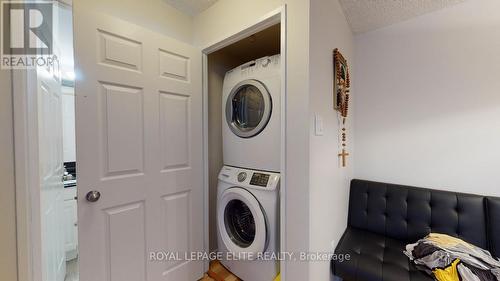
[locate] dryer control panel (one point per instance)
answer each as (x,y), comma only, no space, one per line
(250,178)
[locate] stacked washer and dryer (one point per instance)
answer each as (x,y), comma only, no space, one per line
(248,189)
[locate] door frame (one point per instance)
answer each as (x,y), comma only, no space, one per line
(277,16)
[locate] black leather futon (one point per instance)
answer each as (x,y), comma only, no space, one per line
(383,218)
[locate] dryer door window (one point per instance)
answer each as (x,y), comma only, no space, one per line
(248,108)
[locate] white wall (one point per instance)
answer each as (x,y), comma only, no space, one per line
(64,37)
(156,15)
(8,250)
(68,123)
(427,98)
(329,182)
(227,17)
(8,240)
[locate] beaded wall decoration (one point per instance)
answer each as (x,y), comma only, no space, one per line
(341,86)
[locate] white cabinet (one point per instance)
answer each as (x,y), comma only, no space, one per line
(70,223)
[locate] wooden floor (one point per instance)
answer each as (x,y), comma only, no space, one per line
(217,272)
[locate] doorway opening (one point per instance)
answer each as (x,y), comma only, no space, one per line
(70,210)
(59,220)
(264,41)
(258,45)
(46,170)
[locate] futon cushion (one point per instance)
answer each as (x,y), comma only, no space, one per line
(374,257)
(493,207)
(409,213)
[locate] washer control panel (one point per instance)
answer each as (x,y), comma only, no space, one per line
(260,179)
(242,176)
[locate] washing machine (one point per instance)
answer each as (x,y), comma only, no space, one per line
(248,222)
(251,106)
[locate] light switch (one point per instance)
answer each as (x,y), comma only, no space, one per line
(318,125)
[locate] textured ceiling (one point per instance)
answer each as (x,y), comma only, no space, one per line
(191,7)
(367,15)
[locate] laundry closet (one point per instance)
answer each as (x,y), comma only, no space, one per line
(244,151)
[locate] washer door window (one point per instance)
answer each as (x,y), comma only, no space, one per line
(240,223)
(241,220)
(248,108)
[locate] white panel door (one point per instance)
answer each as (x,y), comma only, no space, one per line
(139,143)
(51,170)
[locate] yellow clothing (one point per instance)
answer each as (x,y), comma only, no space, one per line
(278,278)
(444,240)
(449,273)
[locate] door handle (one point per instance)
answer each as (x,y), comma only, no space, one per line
(93,196)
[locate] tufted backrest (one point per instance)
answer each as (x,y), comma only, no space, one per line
(493,214)
(410,213)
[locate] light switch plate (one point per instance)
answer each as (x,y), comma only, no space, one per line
(318,125)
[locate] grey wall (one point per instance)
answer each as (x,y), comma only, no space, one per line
(426,95)
(218,65)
